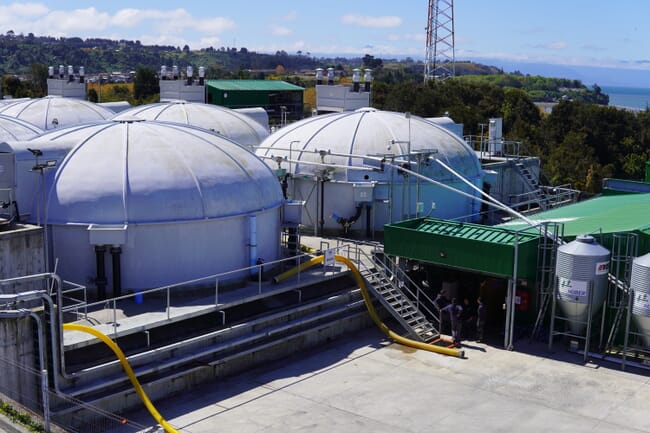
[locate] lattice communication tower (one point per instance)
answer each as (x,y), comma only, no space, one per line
(440,59)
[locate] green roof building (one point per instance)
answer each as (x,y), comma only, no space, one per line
(282,101)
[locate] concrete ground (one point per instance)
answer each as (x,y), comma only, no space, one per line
(365,383)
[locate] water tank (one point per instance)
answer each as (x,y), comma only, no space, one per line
(640,287)
(581,269)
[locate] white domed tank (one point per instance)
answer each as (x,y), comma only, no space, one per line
(179,202)
(236,126)
(581,268)
(334,166)
(640,286)
(16,129)
(53,112)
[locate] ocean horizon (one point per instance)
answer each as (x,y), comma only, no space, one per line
(637,98)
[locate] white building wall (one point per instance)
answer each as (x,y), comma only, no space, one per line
(160,254)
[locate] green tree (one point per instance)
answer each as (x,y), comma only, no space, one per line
(93,96)
(39,79)
(145,83)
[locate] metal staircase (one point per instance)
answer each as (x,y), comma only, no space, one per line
(402,298)
(536,193)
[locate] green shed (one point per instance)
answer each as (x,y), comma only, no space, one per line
(282,101)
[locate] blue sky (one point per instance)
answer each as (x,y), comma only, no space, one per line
(509,33)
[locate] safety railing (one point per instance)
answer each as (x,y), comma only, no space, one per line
(488,148)
(237,282)
(366,256)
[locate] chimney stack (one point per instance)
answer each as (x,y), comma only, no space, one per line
(201,75)
(319,76)
(189,73)
(330,76)
(367,78)
(356,76)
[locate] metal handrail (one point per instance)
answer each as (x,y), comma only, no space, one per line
(168,290)
(419,296)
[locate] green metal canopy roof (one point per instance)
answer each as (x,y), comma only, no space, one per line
(473,247)
(605,214)
(253,85)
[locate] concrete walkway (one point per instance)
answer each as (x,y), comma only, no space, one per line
(364,383)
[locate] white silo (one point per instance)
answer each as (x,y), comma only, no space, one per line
(334,165)
(174,203)
(640,291)
(53,112)
(225,121)
(581,268)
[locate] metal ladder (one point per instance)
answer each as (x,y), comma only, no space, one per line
(553,233)
(624,249)
(403,303)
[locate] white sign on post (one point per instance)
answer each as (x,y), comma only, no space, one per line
(329,257)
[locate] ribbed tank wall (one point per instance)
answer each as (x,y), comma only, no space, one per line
(640,277)
(640,286)
(582,263)
(582,266)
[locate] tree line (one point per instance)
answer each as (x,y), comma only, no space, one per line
(580,142)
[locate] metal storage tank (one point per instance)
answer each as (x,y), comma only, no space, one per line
(355,189)
(581,269)
(225,121)
(640,287)
(33,161)
(53,112)
(174,202)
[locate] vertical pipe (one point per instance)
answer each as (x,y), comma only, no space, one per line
(100,281)
(630,299)
(513,293)
(321,221)
(252,244)
(116,251)
(368,222)
(590,312)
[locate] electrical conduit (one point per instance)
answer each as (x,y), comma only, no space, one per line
(127,368)
(371,309)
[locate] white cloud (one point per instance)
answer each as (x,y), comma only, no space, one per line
(23,10)
(558,45)
(280,31)
(369,21)
(70,23)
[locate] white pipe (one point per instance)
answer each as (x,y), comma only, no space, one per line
(18,314)
(483,193)
(58,360)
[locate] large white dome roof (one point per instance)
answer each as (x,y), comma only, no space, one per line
(364,132)
(53,112)
(147,171)
(225,121)
(16,129)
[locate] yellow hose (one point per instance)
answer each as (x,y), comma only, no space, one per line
(127,368)
(371,309)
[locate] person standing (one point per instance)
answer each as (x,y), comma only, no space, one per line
(480,319)
(455,311)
